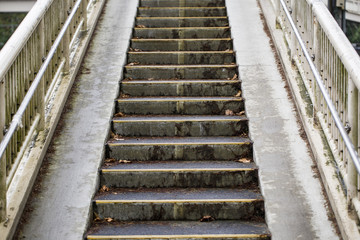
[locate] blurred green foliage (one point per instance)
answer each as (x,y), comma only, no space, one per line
(8,24)
(353,31)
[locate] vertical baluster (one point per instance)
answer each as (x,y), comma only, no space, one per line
(84,5)
(353,118)
(41,88)
(2,159)
(66,41)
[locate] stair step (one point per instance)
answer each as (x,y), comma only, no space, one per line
(180,105)
(182,3)
(182,32)
(182,57)
(182,174)
(181,11)
(210,87)
(124,204)
(225,229)
(180,148)
(180,71)
(180,126)
(182,21)
(206,44)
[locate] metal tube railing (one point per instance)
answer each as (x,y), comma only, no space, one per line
(350,147)
(43,30)
(17,119)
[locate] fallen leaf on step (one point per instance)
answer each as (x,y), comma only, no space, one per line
(85,70)
(124,161)
(228,112)
(207,219)
(133,63)
(140,26)
(119,114)
(150,78)
(227,50)
(124,95)
(104,189)
(234,77)
(137,50)
(244,160)
(110,160)
(240,113)
(109,219)
(238,94)
(96,217)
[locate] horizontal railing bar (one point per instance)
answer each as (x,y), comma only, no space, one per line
(353,154)
(17,119)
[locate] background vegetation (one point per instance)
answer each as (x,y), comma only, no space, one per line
(8,24)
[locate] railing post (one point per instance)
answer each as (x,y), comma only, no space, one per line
(66,41)
(2,160)
(353,114)
(277,12)
(317,62)
(41,91)
(84,4)
(293,40)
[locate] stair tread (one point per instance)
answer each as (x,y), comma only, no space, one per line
(167,8)
(179,141)
(183,165)
(178,118)
(203,17)
(182,52)
(179,194)
(222,228)
(133,81)
(178,98)
(183,66)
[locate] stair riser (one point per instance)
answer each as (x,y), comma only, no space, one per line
(181,129)
(183,3)
(180,72)
(181,45)
(180,211)
(180,107)
(179,152)
(181,89)
(184,22)
(181,12)
(178,179)
(165,33)
(181,58)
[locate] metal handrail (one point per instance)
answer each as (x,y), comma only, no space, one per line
(348,143)
(17,119)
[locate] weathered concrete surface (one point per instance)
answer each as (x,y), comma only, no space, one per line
(61,209)
(295,205)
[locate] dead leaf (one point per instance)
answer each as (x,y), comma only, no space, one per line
(104,189)
(207,219)
(96,217)
(119,114)
(133,63)
(150,78)
(85,70)
(137,50)
(109,219)
(110,160)
(227,50)
(234,77)
(124,161)
(124,95)
(228,112)
(140,26)
(244,160)
(242,113)
(238,94)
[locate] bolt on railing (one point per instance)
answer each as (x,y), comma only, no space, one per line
(30,63)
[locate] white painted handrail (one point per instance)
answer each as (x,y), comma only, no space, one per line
(323,54)
(30,62)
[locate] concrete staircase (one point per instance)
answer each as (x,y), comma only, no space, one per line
(179,160)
